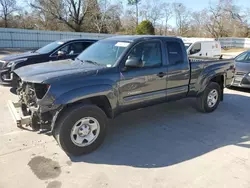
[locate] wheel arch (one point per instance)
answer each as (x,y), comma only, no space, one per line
(100,101)
(218,78)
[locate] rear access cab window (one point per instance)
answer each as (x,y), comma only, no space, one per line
(175,53)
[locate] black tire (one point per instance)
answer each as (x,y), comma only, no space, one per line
(66,121)
(202,103)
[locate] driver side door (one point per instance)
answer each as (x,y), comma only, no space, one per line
(144,85)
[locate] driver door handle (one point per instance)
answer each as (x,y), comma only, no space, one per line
(161,74)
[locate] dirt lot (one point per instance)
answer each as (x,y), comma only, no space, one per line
(169,145)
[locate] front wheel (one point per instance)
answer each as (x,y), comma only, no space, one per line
(81,129)
(209,100)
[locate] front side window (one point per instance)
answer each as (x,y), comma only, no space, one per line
(148,52)
(248,57)
(49,48)
(86,45)
(104,52)
(242,57)
(196,48)
(175,53)
(76,48)
(72,48)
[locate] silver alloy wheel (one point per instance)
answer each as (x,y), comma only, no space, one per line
(85,131)
(212,98)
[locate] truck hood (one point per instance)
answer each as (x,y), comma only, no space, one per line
(19,56)
(55,70)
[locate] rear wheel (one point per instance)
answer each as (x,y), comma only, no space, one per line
(209,100)
(81,129)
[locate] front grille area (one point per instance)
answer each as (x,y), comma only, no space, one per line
(1,64)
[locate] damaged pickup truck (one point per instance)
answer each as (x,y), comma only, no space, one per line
(75,99)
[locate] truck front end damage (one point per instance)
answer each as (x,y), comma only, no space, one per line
(35,108)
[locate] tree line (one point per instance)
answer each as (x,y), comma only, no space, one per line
(221,18)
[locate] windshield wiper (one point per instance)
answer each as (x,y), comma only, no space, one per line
(91,62)
(79,60)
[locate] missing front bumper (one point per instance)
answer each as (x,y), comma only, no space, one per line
(20,119)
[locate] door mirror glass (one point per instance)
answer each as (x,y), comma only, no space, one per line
(134,62)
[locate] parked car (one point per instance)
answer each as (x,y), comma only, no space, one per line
(62,49)
(74,102)
(204,49)
(242,70)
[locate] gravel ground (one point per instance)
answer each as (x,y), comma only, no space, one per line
(169,145)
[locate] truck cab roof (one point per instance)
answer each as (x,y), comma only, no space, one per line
(135,38)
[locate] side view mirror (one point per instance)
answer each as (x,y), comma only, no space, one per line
(134,62)
(60,53)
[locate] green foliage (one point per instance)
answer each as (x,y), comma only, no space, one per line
(133,2)
(145,28)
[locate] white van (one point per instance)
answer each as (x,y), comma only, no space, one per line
(204,48)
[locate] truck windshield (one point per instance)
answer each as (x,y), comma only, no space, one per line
(104,52)
(49,48)
(187,45)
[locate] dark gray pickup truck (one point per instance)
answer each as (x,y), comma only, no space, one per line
(74,99)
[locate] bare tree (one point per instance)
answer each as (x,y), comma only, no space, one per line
(128,22)
(168,13)
(152,11)
(224,19)
(182,16)
(245,24)
(135,2)
(113,22)
(106,16)
(7,7)
(70,12)
(198,23)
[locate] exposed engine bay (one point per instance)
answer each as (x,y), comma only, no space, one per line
(30,93)
(30,100)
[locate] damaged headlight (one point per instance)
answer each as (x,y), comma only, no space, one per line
(41,90)
(11,63)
